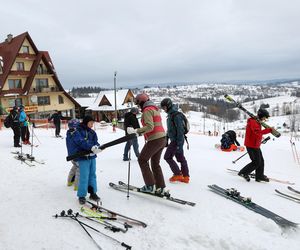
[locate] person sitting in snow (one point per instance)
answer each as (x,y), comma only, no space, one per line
(229,141)
(74,174)
(252,142)
(85,138)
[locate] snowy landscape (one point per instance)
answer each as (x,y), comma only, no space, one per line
(32,195)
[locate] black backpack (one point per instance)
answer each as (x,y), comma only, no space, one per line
(186,124)
(8,121)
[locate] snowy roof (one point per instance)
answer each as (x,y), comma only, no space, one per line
(85,101)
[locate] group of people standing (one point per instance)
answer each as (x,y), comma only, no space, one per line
(19,125)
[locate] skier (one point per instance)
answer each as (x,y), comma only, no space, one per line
(73,176)
(23,119)
(130,120)
(56,117)
(15,126)
(85,138)
(252,142)
(229,141)
(114,124)
(155,137)
(176,135)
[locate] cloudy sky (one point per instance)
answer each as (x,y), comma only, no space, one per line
(158,41)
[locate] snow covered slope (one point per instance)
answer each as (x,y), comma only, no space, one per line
(30,196)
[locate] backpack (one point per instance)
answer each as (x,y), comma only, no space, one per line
(186,124)
(8,121)
(225,141)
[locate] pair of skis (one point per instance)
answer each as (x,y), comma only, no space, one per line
(27,159)
(234,195)
(124,187)
(252,175)
(289,196)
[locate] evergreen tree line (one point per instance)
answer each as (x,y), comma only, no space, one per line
(85,91)
(219,108)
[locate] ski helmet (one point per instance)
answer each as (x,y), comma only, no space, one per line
(73,123)
(263,113)
(140,99)
(167,102)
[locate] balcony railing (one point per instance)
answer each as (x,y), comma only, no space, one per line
(44,89)
(43,72)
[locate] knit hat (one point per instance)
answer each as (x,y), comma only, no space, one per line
(87,119)
(134,110)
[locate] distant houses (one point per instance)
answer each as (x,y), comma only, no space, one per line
(28,77)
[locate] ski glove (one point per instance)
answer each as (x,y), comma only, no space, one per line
(96,149)
(131,130)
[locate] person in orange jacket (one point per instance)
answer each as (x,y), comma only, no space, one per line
(252,142)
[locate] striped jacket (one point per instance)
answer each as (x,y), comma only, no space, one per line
(151,121)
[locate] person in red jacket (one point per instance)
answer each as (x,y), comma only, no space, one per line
(252,142)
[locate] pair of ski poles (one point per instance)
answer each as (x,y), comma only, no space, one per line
(73,216)
(264,141)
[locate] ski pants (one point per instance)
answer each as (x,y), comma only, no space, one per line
(25,133)
(88,178)
(57,129)
(257,163)
(152,151)
(17,134)
(74,174)
(170,153)
(134,143)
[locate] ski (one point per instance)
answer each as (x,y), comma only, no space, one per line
(97,217)
(239,105)
(235,196)
(270,178)
(28,157)
(24,160)
(116,215)
(123,187)
(290,197)
(293,190)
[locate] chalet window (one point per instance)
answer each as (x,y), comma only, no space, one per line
(25,49)
(60,99)
(14,83)
(20,66)
(43,100)
(15,102)
(41,83)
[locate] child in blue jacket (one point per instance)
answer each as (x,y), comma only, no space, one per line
(85,138)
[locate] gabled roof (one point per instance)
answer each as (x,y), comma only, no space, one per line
(9,51)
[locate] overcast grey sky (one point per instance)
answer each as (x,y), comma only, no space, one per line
(152,41)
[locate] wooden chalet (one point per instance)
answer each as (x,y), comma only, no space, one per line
(28,77)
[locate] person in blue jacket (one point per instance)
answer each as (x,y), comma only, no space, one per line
(23,118)
(85,138)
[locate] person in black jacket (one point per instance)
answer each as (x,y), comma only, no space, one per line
(57,117)
(15,126)
(130,120)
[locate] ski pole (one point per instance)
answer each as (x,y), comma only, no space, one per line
(63,214)
(128,177)
(264,141)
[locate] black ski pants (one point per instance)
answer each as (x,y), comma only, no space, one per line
(17,135)
(257,163)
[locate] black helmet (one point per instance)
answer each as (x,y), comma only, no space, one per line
(263,113)
(167,102)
